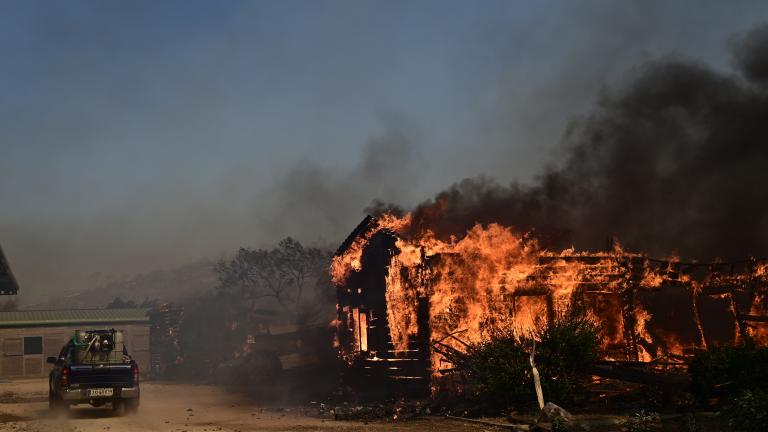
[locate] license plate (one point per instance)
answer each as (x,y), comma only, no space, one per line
(100,392)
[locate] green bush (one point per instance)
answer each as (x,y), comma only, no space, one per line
(565,351)
(642,421)
(725,372)
(748,412)
(736,377)
(499,371)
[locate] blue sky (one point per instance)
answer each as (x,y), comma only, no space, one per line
(141,135)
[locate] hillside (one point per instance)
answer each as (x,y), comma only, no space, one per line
(163,285)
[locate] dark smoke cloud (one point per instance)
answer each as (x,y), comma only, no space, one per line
(751,55)
(311,201)
(673,162)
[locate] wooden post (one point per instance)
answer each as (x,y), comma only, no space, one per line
(629,301)
(536,379)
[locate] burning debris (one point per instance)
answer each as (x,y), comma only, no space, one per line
(164,338)
(405,301)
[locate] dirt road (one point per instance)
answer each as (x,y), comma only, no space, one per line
(178,408)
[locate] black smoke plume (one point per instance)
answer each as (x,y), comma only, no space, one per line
(675,161)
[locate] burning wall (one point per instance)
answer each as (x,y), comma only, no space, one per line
(399,294)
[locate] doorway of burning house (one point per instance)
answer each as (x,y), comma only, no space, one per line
(359,323)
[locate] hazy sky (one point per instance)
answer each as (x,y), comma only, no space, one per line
(143,135)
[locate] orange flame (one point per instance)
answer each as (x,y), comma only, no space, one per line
(494,277)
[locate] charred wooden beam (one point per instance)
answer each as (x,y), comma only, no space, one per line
(753,318)
(639,373)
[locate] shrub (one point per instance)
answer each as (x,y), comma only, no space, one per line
(499,371)
(642,421)
(566,350)
(737,377)
(748,412)
(727,371)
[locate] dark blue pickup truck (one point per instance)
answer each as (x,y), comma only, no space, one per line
(94,367)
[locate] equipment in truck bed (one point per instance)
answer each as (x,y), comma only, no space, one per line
(99,346)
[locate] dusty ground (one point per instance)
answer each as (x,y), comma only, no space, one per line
(182,407)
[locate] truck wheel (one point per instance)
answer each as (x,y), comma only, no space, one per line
(118,407)
(56,404)
(132,406)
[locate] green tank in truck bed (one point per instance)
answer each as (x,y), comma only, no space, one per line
(99,346)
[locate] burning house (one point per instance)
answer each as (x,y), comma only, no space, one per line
(404,301)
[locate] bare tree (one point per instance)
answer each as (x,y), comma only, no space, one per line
(285,273)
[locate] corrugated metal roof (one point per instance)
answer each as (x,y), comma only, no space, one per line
(28,318)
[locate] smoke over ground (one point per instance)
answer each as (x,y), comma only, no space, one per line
(672,162)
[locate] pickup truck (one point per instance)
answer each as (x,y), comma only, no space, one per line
(94,367)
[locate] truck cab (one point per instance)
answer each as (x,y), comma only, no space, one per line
(94,367)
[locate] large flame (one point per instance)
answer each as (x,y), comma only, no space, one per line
(492,277)
(350,260)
